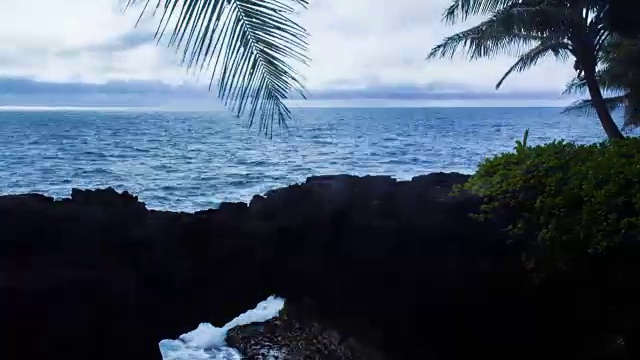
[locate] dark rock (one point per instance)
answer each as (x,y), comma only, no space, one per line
(106,198)
(234,207)
(398,265)
(285,337)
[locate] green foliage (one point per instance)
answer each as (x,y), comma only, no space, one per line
(564,203)
(521,146)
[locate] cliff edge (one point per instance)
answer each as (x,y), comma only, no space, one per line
(399,265)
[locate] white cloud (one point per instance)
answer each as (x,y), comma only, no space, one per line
(57,40)
(377,41)
(355,42)
(59,24)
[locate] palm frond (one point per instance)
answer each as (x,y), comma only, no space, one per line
(478,42)
(246,44)
(507,31)
(577,85)
(617,76)
(461,10)
(560,50)
(585,106)
(608,84)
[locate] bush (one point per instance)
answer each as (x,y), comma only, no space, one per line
(565,204)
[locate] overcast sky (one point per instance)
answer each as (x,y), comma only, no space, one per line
(377,45)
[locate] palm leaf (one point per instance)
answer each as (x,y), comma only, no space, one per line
(461,10)
(507,31)
(480,41)
(585,106)
(560,50)
(246,44)
(608,83)
(617,75)
(577,85)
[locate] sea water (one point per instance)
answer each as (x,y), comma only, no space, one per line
(195,160)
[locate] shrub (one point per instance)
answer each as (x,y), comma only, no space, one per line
(565,204)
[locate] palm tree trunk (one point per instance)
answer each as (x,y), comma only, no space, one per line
(606,120)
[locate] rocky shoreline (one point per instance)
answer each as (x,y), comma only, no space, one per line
(286,337)
(399,266)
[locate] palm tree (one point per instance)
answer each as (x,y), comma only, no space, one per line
(618,75)
(533,30)
(247,45)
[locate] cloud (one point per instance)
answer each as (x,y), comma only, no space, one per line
(371,47)
(365,43)
(80,41)
(157,94)
(439,91)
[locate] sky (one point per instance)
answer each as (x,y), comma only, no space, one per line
(89,52)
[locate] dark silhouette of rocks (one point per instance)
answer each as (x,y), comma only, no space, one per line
(284,337)
(397,265)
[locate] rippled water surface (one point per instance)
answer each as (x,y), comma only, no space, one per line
(195,160)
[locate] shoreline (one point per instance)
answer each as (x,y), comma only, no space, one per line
(145,275)
(57,196)
(399,266)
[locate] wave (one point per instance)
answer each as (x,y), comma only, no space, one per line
(208,342)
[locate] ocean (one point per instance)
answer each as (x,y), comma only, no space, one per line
(194,160)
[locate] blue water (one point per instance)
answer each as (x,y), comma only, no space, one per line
(195,160)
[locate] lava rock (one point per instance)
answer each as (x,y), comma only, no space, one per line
(398,265)
(285,338)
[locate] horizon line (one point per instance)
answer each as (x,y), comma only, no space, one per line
(306,104)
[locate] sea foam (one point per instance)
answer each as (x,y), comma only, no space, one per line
(208,341)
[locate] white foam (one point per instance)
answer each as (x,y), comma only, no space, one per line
(208,341)
(265,310)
